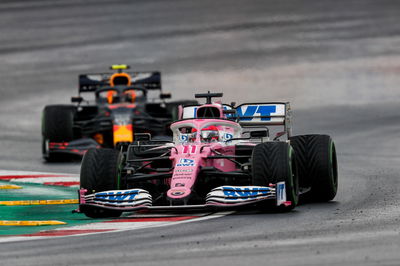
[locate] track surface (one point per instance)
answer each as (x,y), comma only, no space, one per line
(336,61)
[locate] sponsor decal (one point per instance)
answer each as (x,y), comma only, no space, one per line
(186,162)
(191,111)
(233,193)
(182,177)
(178,192)
(227,107)
(180,174)
(249,112)
(280,189)
(280,193)
(184,170)
(183,138)
(228,136)
(117,195)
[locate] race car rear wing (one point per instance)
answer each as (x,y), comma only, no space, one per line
(265,114)
(91,82)
(190,111)
(252,114)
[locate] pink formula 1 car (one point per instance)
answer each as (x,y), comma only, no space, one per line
(221,156)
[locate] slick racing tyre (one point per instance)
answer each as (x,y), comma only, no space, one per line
(273,162)
(100,171)
(317,164)
(57,126)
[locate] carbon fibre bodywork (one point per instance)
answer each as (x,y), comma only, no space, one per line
(120,106)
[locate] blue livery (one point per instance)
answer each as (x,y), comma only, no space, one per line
(117,196)
(280,191)
(255,111)
(234,193)
(186,162)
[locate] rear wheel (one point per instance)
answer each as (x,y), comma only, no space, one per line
(57,126)
(274,162)
(316,158)
(100,171)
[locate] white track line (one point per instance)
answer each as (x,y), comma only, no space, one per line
(114,226)
(95,227)
(10,172)
(56,179)
(42,180)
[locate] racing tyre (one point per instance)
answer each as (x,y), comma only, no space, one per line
(100,171)
(57,126)
(317,163)
(273,162)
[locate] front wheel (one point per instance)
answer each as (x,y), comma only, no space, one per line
(100,171)
(318,169)
(274,162)
(57,126)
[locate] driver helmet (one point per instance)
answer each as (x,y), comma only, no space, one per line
(111,96)
(130,96)
(210,133)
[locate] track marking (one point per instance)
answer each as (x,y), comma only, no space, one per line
(65,233)
(52,179)
(136,221)
(10,177)
(60,181)
(30,173)
(29,223)
(63,183)
(10,187)
(38,202)
(154,219)
(117,225)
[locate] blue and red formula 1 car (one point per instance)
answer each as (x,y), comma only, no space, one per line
(121,107)
(221,156)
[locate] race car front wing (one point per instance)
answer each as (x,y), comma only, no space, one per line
(220,197)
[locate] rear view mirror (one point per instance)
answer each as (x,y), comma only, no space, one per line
(76,99)
(259,134)
(229,111)
(165,95)
(142,137)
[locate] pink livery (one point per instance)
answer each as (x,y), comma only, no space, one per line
(220,156)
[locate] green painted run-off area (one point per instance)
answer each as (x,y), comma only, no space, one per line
(39,212)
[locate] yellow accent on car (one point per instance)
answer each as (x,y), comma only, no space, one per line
(30,223)
(38,202)
(117,67)
(122,133)
(10,187)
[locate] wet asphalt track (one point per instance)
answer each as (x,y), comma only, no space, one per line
(336,61)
